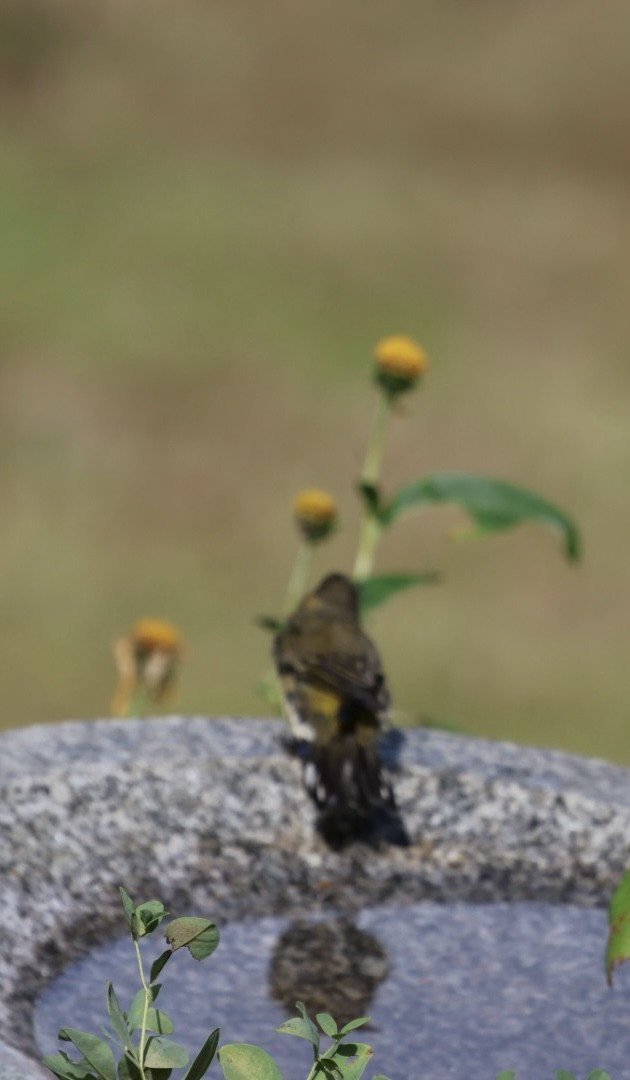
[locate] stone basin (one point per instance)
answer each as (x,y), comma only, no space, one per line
(210,816)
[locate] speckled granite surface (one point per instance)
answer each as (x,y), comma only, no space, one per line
(211,816)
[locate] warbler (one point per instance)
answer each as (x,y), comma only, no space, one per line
(337,701)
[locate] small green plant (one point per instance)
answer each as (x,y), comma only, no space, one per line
(618,945)
(139,1047)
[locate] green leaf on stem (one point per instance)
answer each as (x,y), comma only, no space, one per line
(509,1074)
(371,497)
(147,917)
(618,946)
(158,965)
(128,1068)
(97,1053)
(157,1021)
(494,505)
(204,1058)
(164,1054)
(302,1027)
(350,1059)
(327,1024)
(118,1020)
(136,1009)
(353,1024)
(199,936)
(376,590)
(127,904)
(62,1066)
(240,1061)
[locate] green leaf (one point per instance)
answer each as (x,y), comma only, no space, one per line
(117,1017)
(327,1024)
(270,622)
(128,1068)
(375,590)
(562,1074)
(147,917)
(618,945)
(371,497)
(302,1028)
(66,1069)
(199,936)
(204,1058)
(599,1074)
(240,1061)
(619,906)
(351,1059)
(158,965)
(353,1024)
(136,1009)
(127,904)
(159,1021)
(97,1053)
(493,505)
(164,1054)
(328,1069)
(508,1075)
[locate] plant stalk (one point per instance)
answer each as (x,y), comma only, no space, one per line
(145,1011)
(370,529)
(299,576)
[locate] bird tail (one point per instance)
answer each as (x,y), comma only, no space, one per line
(355,799)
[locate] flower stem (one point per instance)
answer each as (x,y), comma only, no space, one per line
(299,576)
(370,528)
(145,1011)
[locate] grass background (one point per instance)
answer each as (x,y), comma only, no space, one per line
(209,213)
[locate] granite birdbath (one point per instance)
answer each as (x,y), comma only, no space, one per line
(478,948)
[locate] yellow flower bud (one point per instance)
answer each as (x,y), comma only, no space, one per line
(150,635)
(400,363)
(315,513)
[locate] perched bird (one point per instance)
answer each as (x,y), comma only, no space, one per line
(337,701)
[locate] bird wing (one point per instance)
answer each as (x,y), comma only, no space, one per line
(337,657)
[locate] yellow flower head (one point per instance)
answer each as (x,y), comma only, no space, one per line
(155,635)
(400,363)
(315,513)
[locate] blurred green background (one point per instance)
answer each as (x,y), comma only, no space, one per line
(209,213)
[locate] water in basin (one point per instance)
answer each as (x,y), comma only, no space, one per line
(454,990)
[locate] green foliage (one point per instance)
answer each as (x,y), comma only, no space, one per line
(342,1060)
(618,946)
(141,1032)
(154,1056)
(599,1074)
(240,1061)
(494,505)
(375,590)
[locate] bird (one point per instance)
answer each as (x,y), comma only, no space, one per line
(337,703)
